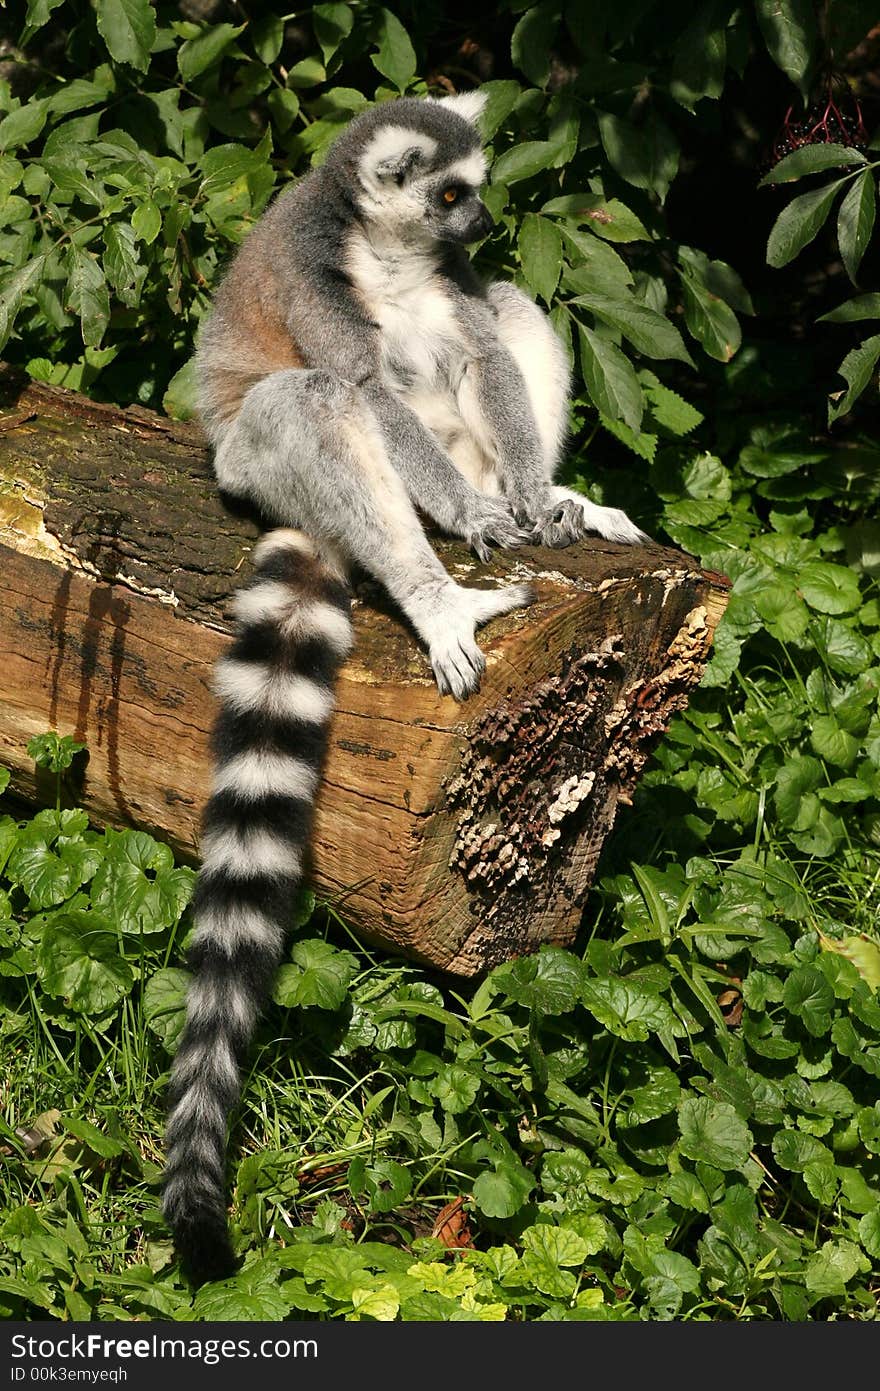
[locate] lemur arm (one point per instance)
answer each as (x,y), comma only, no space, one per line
(433,482)
(332,334)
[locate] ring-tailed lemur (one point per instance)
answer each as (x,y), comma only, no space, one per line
(354,369)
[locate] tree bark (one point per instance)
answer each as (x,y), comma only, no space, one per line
(461,835)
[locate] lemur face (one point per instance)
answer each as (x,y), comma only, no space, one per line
(419,167)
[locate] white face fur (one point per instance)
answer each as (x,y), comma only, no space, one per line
(407,192)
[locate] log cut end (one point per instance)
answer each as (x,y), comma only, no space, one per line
(461,835)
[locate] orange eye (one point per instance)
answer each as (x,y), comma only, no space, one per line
(450,195)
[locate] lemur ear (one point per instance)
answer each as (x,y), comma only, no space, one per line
(401,164)
(470,105)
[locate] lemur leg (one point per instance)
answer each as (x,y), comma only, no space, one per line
(307,448)
(528,337)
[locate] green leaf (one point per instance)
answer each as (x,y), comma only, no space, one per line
(320,976)
(181,397)
(799,222)
(789,31)
(855,222)
(646,156)
(24,124)
(197,55)
(829,588)
(711,321)
(713,1133)
(539,243)
(655,1099)
(14,287)
(501,98)
(649,332)
(610,379)
(94,1139)
(88,295)
(503,1192)
(332,25)
(128,28)
(852,310)
(812,159)
(38,12)
(396,58)
(700,57)
(53,751)
(78,962)
(669,410)
(606,217)
(164,1004)
(267,36)
(522,161)
(121,258)
(857,370)
(532,41)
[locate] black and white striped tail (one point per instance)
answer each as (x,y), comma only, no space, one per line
(275,687)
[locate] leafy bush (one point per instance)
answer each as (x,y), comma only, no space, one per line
(679,1118)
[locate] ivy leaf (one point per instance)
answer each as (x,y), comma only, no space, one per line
(539,243)
(799,222)
(831,1268)
(713,1133)
(164,1004)
(503,1192)
(253,1295)
(794,1150)
(791,36)
(857,369)
(830,588)
(861,951)
(128,28)
(396,58)
(546,1252)
(320,976)
(78,962)
(138,886)
(550,981)
(812,159)
(610,379)
(626,1008)
(455,1087)
(808,996)
(855,222)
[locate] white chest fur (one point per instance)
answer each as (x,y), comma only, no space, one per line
(424,351)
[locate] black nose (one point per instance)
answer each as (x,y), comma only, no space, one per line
(483,223)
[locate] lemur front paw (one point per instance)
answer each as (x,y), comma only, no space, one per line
(493,521)
(559,526)
(455,657)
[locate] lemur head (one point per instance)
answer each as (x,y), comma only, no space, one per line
(415,167)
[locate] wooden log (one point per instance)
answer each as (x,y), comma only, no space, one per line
(459,834)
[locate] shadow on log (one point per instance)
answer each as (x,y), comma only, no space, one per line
(461,835)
